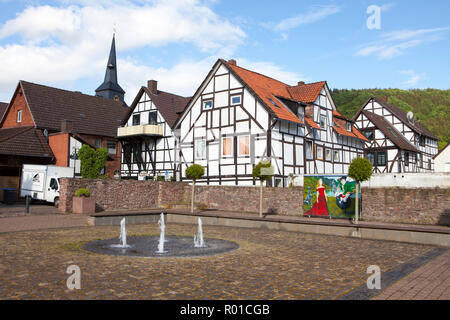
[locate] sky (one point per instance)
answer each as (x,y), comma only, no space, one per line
(350,44)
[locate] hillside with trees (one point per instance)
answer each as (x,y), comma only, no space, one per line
(430,106)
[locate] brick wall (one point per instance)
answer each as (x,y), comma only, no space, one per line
(401,205)
(18,103)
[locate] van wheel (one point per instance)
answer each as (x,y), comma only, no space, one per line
(56,202)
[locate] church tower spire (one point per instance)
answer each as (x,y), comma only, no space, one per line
(110,88)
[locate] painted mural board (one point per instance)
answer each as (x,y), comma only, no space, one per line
(329,196)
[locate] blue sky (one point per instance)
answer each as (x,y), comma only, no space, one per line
(66,43)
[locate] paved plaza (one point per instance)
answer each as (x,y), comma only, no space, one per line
(267,265)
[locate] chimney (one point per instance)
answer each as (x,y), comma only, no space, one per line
(301,83)
(152,85)
(66,126)
(232,62)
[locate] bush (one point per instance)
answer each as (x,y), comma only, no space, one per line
(360,169)
(257,170)
(160,178)
(83,192)
(195,172)
(92,161)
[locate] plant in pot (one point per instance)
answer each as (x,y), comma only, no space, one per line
(83,202)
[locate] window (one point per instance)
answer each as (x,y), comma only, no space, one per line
(406,159)
(301,113)
(111,146)
(278,183)
(19,116)
(371,157)
(327,154)
(336,156)
(227,146)
(348,126)
(429,164)
(370,135)
(98,143)
(153,117)
(53,184)
(381,158)
(244,146)
(235,100)
(207,104)
(323,121)
(272,102)
(308,150)
(136,119)
(422,141)
(319,153)
(200,149)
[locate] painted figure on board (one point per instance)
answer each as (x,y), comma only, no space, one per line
(320,207)
(346,189)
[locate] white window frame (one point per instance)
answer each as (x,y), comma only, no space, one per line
(222,147)
(236,96)
(19,116)
(335,152)
(348,126)
(311,153)
(109,149)
(202,157)
(205,102)
(239,146)
(326,157)
(324,117)
(317,152)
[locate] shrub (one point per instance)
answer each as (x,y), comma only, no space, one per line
(267,171)
(195,172)
(360,169)
(160,178)
(83,192)
(92,161)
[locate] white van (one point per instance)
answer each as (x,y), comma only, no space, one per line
(41,182)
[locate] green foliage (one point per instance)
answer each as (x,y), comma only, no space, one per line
(104,176)
(92,161)
(257,170)
(430,106)
(160,178)
(360,169)
(195,172)
(83,192)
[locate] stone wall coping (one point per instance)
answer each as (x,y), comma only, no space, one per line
(282,219)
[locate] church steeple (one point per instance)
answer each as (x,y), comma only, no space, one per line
(110,89)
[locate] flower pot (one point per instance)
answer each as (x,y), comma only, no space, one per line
(84,205)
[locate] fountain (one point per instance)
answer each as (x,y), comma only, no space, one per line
(177,246)
(162,226)
(122,237)
(199,242)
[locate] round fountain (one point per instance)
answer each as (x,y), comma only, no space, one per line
(162,245)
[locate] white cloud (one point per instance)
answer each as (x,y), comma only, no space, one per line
(414,78)
(58,45)
(316,13)
(393,44)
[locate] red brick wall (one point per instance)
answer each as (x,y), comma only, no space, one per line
(18,103)
(60,147)
(401,205)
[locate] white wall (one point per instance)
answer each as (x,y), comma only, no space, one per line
(409,180)
(442,161)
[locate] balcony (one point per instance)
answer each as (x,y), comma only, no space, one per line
(141,130)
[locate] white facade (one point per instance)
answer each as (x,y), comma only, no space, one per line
(442,160)
(227,130)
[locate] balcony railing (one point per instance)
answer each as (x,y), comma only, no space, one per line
(141,130)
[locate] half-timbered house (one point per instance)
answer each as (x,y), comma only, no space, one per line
(146,135)
(238,117)
(396,142)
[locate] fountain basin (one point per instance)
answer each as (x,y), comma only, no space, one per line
(146,246)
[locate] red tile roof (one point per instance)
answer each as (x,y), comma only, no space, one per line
(311,122)
(306,93)
(267,89)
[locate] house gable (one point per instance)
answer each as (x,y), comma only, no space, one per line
(18,103)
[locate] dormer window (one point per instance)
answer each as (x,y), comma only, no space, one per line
(19,116)
(301,113)
(153,117)
(348,126)
(272,102)
(323,121)
(422,141)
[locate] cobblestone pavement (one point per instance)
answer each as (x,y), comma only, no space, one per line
(429,282)
(267,265)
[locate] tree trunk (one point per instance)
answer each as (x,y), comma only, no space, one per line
(192,202)
(260,198)
(357,203)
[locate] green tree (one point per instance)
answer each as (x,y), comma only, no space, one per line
(194,172)
(92,161)
(360,170)
(262,171)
